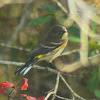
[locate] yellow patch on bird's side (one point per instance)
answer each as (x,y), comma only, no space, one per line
(39,56)
(64,44)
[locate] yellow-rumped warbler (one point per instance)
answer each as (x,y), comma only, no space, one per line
(51,46)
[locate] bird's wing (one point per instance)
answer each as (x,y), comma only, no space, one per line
(44,48)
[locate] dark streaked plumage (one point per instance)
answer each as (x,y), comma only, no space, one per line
(50,47)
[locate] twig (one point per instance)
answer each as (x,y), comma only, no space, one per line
(34,66)
(62,98)
(73,97)
(69,52)
(71,88)
(13,90)
(21,64)
(93,60)
(57,82)
(22,21)
(56,86)
(21,48)
(48,95)
(11,63)
(13,47)
(61,6)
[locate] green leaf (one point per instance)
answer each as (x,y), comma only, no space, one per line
(40,20)
(99,72)
(74,39)
(74,30)
(93,25)
(97,93)
(94,45)
(93,80)
(48,7)
(91,52)
(77,56)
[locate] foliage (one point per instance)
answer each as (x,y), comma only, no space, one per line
(44,19)
(93,81)
(49,8)
(67,14)
(40,20)
(24,85)
(97,93)
(5,85)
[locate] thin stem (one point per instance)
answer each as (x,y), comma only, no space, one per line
(13,90)
(48,95)
(56,86)
(62,97)
(70,88)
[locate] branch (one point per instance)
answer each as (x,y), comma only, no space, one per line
(11,63)
(36,67)
(56,86)
(22,21)
(62,66)
(71,88)
(62,98)
(84,46)
(23,49)
(48,95)
(13,47)
(70,52)
(61,6)
(21,64)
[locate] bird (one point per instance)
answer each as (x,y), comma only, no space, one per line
(51,46)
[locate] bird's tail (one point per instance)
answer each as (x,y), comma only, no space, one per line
(28,65)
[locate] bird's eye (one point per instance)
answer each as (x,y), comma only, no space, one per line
(61,33)
(64,31)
